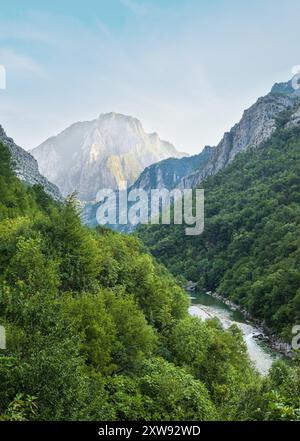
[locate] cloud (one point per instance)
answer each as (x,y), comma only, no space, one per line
(140,9)
(11,59)
(22,30)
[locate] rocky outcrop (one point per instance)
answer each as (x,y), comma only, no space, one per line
(97,154)
(26,167)
(169,173)
(256,125)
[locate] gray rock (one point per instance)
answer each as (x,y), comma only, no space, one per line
(26,167)
(92,155)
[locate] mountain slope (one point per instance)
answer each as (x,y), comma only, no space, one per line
(26,167)
(97,154)
(250,248)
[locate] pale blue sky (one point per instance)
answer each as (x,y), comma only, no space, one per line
(186,68)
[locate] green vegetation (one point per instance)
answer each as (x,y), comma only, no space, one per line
(249,251)
(98,330)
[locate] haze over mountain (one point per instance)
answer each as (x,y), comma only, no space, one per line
(91,155)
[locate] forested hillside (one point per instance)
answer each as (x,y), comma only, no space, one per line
(97,330)
(250,248)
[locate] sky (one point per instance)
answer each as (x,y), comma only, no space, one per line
(186,68)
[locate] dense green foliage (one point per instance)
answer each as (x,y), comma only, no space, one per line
(250,248)
(98,330)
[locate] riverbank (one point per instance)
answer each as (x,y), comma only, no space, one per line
(261,355)
(264,334)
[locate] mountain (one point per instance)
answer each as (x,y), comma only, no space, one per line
(249,251)
(26,167)
(256,125)
(91,155)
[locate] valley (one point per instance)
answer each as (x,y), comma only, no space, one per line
(98,324)
(149,218)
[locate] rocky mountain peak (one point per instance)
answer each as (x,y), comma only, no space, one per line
(285,88)
(91,155)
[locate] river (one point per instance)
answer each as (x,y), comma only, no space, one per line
(205,307)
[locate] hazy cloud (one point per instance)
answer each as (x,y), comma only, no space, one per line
(17,61)
(138,8)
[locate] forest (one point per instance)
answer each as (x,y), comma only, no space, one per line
(98,329)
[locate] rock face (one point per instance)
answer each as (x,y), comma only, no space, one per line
(257,124)
(26,167)
(169,173)
(97,154)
